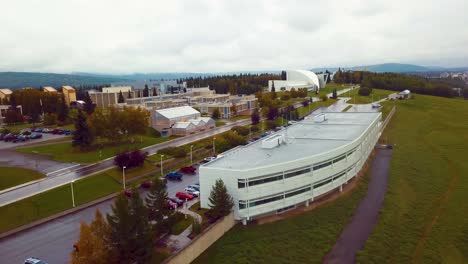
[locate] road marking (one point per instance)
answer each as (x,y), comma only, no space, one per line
(63,169)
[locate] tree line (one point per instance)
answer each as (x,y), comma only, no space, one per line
(233,84)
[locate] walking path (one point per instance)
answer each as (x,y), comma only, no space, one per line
(356,232)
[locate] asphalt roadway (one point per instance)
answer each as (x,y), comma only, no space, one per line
(53,241)
(356,232)
(71,171)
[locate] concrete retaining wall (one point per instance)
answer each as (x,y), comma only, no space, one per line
(200,243)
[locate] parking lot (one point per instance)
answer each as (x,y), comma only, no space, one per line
(45,137)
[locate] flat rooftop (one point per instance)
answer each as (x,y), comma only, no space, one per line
(305,138)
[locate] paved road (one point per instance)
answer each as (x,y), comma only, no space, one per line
(65,175)
(53,241)
(356,232)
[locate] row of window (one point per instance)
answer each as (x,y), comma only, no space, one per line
(242,183)
(243,204)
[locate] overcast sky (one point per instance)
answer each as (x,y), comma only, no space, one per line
(113,36)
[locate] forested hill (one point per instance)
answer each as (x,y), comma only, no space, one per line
(16,80)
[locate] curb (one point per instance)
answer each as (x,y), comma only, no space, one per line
(19,186)
(55,216)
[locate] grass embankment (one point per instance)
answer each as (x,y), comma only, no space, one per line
(56,200)
(301,239)
(376,95)
(305,110)
(65,152)
(10,176)
(424,218)
(201,211)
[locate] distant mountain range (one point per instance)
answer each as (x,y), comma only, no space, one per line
(393,67)
(16,80)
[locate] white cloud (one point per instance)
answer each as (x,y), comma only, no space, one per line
(119,36)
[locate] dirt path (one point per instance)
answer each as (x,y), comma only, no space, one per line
(356,232)
(439,205)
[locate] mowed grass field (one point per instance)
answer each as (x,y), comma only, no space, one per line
(302,239)
(425,214)
(10,176)
(376,95)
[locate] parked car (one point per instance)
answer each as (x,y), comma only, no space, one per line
(46,130)
(21,138)
(183,196)
(173,175)
(376,105)
(146,184)
(208,159)
(35,135)
(67,132)
(38,130)
(195,187)
(171,204)
(10,137)
(188,169)
(2,136)
(128,193)
(176,200)
(192,191)
(34,261)
(25,131)
(57,131)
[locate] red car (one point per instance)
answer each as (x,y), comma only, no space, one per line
(183,196)
(128,193)
(188,169)
(171,204)
(146,184)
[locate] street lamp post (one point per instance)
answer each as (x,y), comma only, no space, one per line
(123,176)
(214,148)
(162,165)
(72,193)
(191,156)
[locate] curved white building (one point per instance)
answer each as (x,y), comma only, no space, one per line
(297,79)
(294,165)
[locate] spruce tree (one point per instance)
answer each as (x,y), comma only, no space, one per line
(255,117)
(129,95)
(156,201)
(155,93)
(146,91)
(89,106)
(335,95)
(141,230)
(83,137)
(62,110)
(121,229)
(220,201)
(121,98)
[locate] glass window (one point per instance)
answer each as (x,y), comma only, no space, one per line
(265,180)
(323,183)
(297,192)
(339,176)
(296,173)
(242,204)
(339,158)
(322,165)
(241,184)
(264,201)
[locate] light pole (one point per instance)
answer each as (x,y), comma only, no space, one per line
(191,150)
(123,176)
(73,194)
(214,148)
(161,165)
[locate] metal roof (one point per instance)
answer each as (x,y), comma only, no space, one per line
(176,112)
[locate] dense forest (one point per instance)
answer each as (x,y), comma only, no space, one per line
(233,84)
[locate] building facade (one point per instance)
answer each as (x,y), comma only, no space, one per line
(5,95)
(69,94)
(182,120)
(297,79)
(295,165)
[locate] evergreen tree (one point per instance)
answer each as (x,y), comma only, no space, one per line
(155,93)
(215,114)
(89,106)
(273,86)
(121,98)
(220,201)
(255,117)
(156,201)
(62,110)
(83,137)
(121,229)
(334,95)
(146,91)
(129,95)
(141,230)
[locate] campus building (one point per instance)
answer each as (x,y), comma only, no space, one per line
(69,94)
(243,105)
(110,95)
(49,89)
(5,94)
(182,120)
(5,108)
(297,79)
(294,165)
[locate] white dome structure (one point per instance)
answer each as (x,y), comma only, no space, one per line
(297,79)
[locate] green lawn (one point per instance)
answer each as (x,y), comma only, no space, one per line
(56,200)
(64,152)
(219,123)
(240,117)
(302,239)
(303,111)
(180,226)
(10,176)
(376,95)
(425,214)
(116,173)
(329,89)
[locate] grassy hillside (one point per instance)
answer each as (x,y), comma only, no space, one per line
(425,214)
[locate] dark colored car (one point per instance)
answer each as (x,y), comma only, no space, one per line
(35,135)
(38,130)
(67,132)
(188,169)
(21,138)
(57,131)
(183,196)
(9,137)
(176,200)
(146,184)
(173,175)
(2,136)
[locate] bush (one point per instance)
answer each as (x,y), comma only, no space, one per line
(254,128)
(270,124)
(285,97)
(50,119)
(243,131)
(324,98)
(364,91)
(131,159)
(196,227)
(176,152)
(305,103)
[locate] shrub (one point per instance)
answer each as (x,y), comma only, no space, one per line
(324,98)
(176,152)
(243,131)
(364,91)
(270,124)
(305,103)
(50,119)
(285,97)
(196,227)
(131,159)
(254,128)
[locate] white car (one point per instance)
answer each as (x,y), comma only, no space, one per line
(34,261)
(208,159)
(376,105)
(192,191)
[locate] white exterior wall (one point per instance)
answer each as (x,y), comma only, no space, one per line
(364,144)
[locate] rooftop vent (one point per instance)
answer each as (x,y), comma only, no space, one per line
(272,142)
(320,118)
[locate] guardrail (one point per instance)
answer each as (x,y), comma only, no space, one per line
(389,117)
